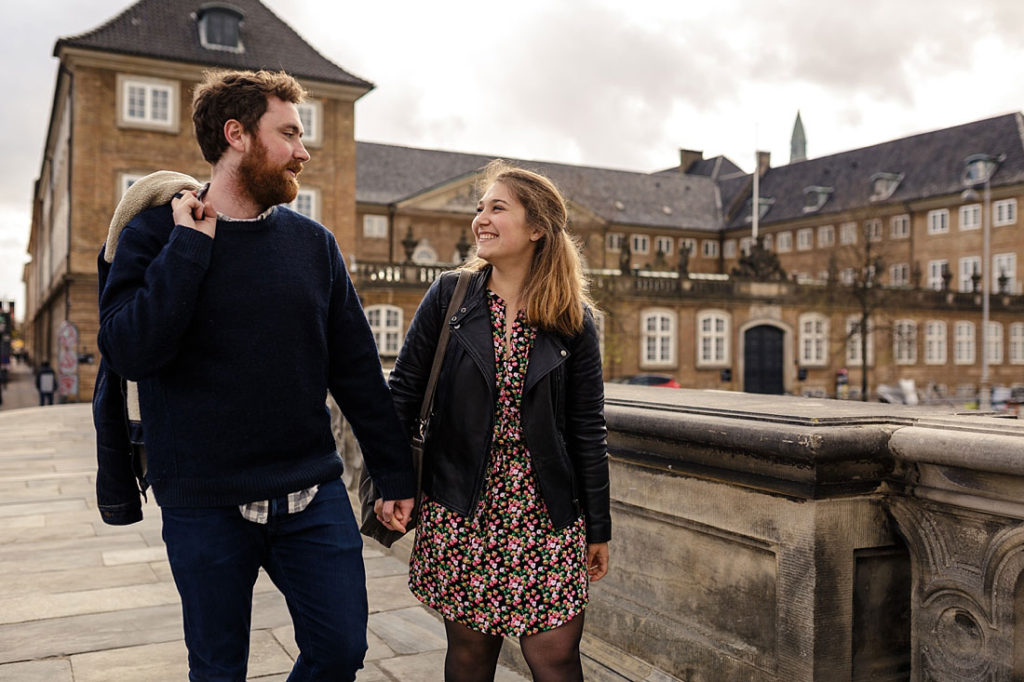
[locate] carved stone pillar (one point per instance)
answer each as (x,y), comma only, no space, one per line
(961,511)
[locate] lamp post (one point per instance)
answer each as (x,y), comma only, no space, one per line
(978,170)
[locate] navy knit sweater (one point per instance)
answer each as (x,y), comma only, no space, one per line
(234,342)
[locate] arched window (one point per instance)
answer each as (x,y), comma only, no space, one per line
(658,339)
(386,325)
(854,334)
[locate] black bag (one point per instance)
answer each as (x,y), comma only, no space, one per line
(368,493)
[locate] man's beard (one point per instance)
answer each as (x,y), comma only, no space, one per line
(268,185)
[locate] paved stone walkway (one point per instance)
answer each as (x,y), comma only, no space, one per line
(85,602)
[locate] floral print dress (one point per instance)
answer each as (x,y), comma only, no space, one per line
(503,570)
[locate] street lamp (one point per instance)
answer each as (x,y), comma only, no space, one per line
(978,170)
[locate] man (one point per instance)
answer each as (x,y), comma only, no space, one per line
(46,383)
(235,315)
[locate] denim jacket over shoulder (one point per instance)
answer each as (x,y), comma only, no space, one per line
(562,409)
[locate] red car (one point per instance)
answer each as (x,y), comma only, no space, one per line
(662,380)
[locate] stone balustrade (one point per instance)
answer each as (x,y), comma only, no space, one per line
(778,538)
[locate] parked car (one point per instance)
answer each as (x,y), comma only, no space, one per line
(662,380)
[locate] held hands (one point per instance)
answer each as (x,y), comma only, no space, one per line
(597,560)
(192,213)
(394,514)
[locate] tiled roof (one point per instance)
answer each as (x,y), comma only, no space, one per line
(167,29)
(931,164)
(716,167)
(386,174)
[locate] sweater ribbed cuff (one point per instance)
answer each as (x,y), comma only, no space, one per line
(396,485)
(191,244)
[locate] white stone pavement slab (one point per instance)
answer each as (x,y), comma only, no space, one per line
(81,601)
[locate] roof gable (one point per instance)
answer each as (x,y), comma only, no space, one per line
(168,29)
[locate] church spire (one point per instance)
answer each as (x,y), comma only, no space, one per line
(798,143)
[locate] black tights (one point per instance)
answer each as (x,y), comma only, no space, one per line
(553,655)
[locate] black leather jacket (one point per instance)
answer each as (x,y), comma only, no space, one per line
(562,409)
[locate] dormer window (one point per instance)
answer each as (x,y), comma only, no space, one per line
(764,204)
(884,184)
(220,27)
(815,197)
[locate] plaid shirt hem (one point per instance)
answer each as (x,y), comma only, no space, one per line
(259,511)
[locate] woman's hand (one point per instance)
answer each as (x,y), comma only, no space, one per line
(394,514)
(597,560)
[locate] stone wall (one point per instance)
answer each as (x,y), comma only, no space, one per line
(768,538)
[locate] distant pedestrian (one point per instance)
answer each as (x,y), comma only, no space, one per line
(46,383)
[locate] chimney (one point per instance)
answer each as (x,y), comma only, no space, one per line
(764,162)
(688,157)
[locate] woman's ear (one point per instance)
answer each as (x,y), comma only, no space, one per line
(536,234)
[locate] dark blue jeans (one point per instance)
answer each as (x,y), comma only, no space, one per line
(315,559)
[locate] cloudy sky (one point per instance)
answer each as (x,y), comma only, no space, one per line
(614,83)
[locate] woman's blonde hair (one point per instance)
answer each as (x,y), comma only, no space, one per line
(555,289)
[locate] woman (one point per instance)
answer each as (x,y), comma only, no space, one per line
(515,518)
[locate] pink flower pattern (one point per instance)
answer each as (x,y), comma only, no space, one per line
(503,570)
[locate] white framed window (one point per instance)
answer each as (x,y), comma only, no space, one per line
(1004,264)
(126,180)
(658,338)
(994,343)
(963,343)
(899,275)
(826,235)
(150,103)
(935,342)
(853,342)
(873,229)
(709,248)
(713,338)
(767,241)
(970,217)
(969,265)
(904,342)
(847,276)
(688,243)
(664,244)
(848,233)
(729,248)
(938,221)
(307,202)
(899,226)
(640,243)
(936,269)
(311,114)
(386,325)
(784,242)
(805,239)
(375,226)
(613,241)
(813,340)
(746,243)
(1004,212)
(1017,343)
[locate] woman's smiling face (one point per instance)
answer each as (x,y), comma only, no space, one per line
(500,227)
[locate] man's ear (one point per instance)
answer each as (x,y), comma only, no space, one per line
(236,136)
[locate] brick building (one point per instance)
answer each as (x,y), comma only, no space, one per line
(884,234)
(890,234)
(122,109)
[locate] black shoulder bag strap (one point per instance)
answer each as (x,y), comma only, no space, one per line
(423,422)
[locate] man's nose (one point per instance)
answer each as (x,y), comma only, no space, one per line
(300,152)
